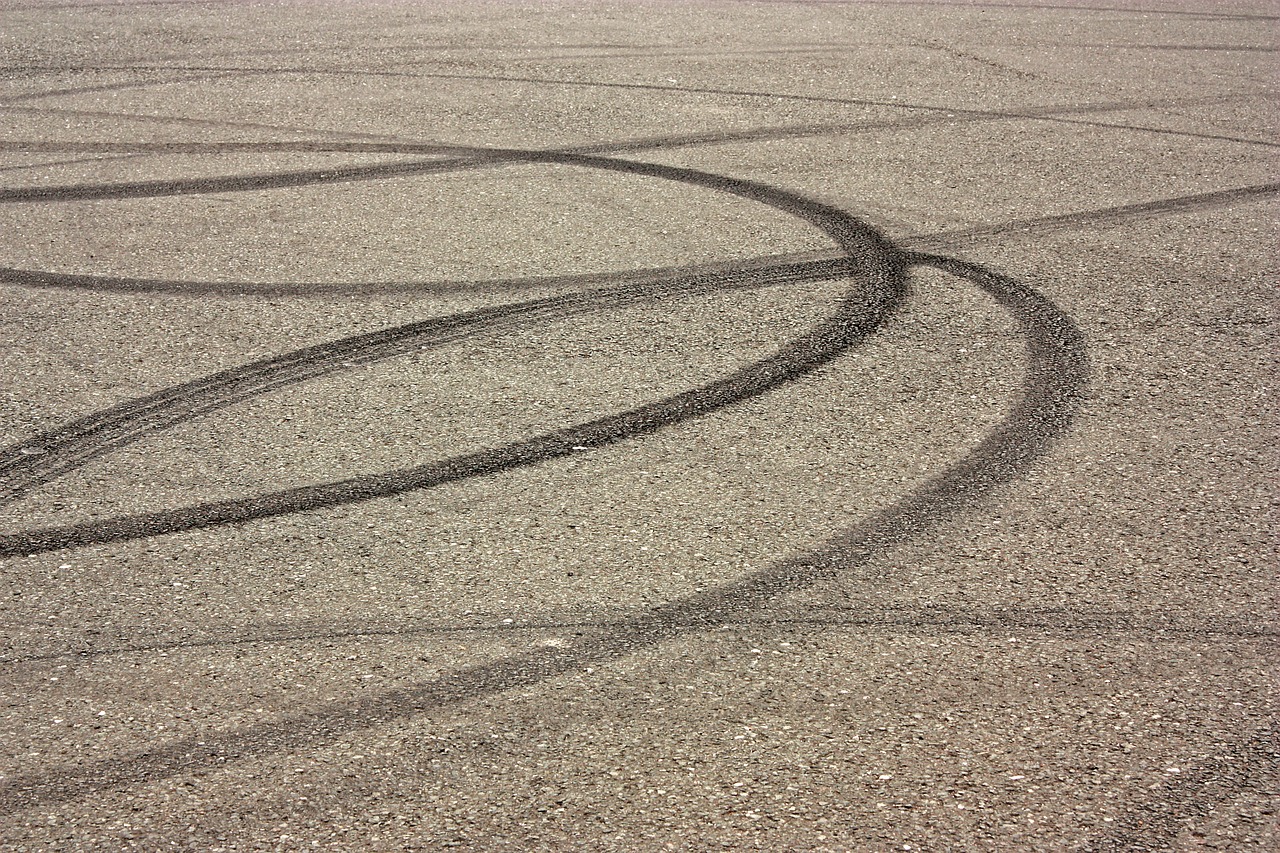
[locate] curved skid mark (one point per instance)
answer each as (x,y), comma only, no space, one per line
(46,457)
(870,260)
(766,271)
(1101,216)
(188,121)
(935,113)
(1054,381)
(107,87)
(609,84)
(1124,10)
(322,146)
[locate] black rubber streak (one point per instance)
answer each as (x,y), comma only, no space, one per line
(1054,380)
(1056,113)
(925,621)
(1072,8)
(1048,6)
(45,457)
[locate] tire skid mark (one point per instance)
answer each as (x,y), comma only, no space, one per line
(1048,6)
(770,270)
(1124,10)
(39,460)
(1196,48)
(108,87)
(1099,216)
(232,147)
(43,458)
(869,260)
(937,113)
(114,4)
(234,183)
(304,70)
(188,121)
(1055,380)
(922,620)
(1053,383)
(763,271)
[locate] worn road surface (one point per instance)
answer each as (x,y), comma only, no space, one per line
(839,426)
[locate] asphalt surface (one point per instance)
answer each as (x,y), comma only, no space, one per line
(566,426)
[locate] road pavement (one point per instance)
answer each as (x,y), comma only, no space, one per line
(836,426)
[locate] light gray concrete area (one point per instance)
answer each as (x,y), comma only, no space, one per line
(838,426)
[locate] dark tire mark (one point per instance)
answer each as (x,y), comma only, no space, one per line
(923,620)
(103,87)
(1196,48)
(1050,114)
(235,183)
(868,259)
(1054,381)
(765,271)
(638,51)
(950,114)
(1232,16)
(325,146)
(768,270)
(1100,216)
(1047,111)
(1043,413)
(1051,6)
(45,457)
(116,4)
(194,122)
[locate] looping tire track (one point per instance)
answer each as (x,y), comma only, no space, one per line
(867,257)
(1054,380)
